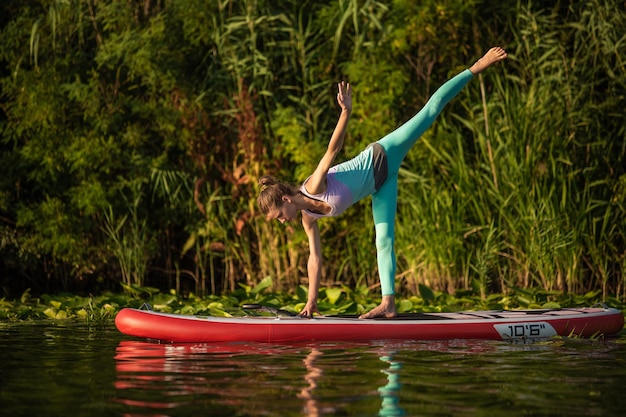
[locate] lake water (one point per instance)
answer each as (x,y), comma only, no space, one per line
(70,369)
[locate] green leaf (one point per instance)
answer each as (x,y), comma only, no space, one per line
(302,293)
(333,294)
(427,294)
(264,284)
(404,306)
(25,296)
(50,312)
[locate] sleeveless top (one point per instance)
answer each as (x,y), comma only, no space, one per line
(351,181)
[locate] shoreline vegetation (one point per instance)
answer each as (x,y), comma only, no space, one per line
(133,133)
(103,308)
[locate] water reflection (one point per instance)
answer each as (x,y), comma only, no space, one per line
(388,378)
(314,372)
(153,376)
(160,377)
(390,406)
(165,376)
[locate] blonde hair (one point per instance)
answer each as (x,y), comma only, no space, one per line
(272,192)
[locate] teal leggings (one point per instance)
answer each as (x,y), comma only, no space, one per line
(397,144)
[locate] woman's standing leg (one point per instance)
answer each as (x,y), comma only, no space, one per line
(384,204)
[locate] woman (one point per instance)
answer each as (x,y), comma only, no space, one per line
(332,189)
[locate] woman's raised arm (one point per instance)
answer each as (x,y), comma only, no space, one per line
(317,182)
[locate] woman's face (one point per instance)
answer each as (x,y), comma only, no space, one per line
(285,213)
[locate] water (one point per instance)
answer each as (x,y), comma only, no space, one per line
(75,370)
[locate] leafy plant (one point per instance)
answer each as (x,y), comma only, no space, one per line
(182,105)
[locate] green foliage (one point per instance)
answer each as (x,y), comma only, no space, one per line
(133,133)
(344,300)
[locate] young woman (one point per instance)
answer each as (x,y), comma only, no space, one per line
(332,189)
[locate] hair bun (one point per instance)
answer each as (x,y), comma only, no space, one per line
(267,180)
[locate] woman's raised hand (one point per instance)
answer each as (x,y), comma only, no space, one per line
(344,96)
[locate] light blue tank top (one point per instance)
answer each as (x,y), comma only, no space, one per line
(351,181)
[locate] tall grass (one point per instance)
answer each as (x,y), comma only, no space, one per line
(526,203)
(130,239)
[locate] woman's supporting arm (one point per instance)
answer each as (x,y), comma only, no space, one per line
(314,264)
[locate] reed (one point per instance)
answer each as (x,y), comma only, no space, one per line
(526,202)
(130,239)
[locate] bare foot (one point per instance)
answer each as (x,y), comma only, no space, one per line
(387,308)
(492,56)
